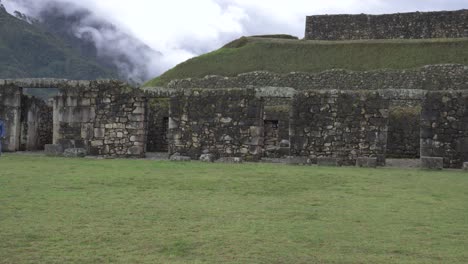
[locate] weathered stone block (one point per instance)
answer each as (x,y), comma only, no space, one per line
(75,153)
(53,150)
(230,160)
(432,163)
(178,157)
(207,158)
(465,166)
(366,162)
(298,160)
(328,161)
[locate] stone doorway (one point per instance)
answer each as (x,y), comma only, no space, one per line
(404,126)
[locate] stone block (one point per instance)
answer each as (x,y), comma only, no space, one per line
(53,150)
(230,160)
(328,161)
(291,160)
(366,162)
(178,157)
(465,166)
(432,163)
(75,153)
(135,151)
(207,158)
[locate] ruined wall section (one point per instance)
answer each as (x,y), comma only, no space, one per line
(444,127)
(339,124)
(416,25)
(433,77)
(225,123)
(10,113)
(107,118)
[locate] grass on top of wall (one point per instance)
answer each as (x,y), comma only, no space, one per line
(284,56)
(140,211)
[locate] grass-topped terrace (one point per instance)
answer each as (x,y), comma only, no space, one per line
(288,55)
(140,211)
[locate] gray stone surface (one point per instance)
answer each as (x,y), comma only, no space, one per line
(432,163)
(178,157)
(298,160)
(444,129)
(342,124)
(416,25)
(237,160)
(431,77)
(75,153)
(226,123)
(328,161)
(465,166)
(207,158)
(53,150)
(366,162)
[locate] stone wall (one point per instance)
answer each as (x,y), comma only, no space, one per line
(36,124)
(444,127)
(158,124)
(434,77)
(225,123)
(418,25)
(107,118)
(10,113)
(340,124)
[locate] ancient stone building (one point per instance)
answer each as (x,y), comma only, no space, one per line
(337,115)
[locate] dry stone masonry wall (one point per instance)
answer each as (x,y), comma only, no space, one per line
(444,127)
(224,123)
(106,118)
(434,77)
(417,25)
(339,124)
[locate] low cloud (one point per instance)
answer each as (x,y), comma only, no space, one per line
(181,29)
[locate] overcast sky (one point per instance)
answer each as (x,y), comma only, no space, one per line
(181,29)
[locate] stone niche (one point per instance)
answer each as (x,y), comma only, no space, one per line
(339,124)
(107,118)
(444,127)
(222,122)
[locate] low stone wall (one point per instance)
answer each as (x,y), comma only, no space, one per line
(107,118)
(417,25)
(434,77)
(36,124)
(444,127)
(339,124)
(10,113)
(225,123)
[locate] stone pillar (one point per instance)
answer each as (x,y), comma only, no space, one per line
(10,112)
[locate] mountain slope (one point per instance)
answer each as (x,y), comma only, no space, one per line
(29,50)
(287,55)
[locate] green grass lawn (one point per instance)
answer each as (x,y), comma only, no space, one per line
(141,211)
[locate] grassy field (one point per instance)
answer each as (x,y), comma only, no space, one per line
(284,56)
(141,211)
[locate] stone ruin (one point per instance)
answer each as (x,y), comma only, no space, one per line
(335,117)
